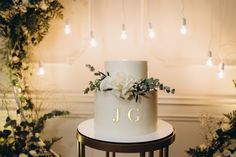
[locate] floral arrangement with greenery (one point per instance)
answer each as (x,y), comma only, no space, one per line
(23,25)
(221,138)
(124,86)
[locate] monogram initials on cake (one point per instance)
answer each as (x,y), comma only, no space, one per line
(130,115)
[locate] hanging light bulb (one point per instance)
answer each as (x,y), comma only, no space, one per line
(183,29)
(93,42)
(67,28)
(41,70)
(221,70)
(123,34)
(151,32)
(209,61)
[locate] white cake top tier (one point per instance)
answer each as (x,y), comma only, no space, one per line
(137,69)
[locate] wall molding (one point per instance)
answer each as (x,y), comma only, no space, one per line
(170,99)
(170,108)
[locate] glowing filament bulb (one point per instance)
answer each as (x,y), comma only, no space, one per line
(123,34)
(183,29)
(209,61)
(221,71)
(67,28)
(41,70)
(151,32)
(93,42)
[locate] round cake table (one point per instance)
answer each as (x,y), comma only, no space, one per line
(159,140)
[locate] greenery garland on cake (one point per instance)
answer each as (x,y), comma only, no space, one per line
(221,141)
(23,25)
(124,86)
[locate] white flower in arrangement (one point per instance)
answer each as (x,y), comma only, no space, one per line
(15,59)
(33,153)
(120,84)
(41,143)
(106,83)
(23,155)
(202,146)
(43,5)
(225,126)
(225,120)
(37,135)
(23,125)
(30,134)
(24,65)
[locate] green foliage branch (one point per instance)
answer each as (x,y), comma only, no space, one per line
(223,143)
(139,88)
(23,25)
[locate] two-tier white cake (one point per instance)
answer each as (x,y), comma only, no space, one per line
(117,114)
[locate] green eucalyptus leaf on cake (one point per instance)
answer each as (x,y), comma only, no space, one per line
(123,85)
(86,90)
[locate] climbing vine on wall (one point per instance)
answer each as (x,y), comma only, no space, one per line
(23,25)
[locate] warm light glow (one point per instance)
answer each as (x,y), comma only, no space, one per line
(183,29)
(221,72)
(93,42)
(67,28)
(123,34)
(41,70)
(209,61)
(151,33)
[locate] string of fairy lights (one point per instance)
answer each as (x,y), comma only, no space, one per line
(151,34)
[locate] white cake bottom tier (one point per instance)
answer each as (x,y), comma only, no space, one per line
(116,118)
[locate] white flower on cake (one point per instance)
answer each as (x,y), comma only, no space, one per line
(120,84)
